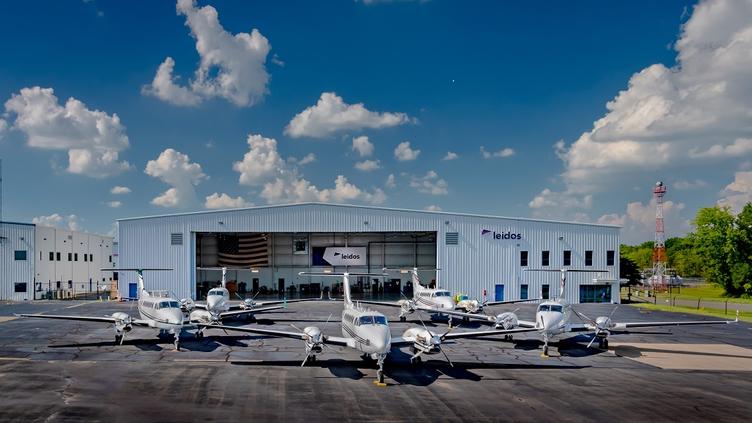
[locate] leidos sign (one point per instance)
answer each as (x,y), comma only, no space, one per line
(500,235)
(345,256)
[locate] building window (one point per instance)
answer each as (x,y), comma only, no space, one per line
(523,258)
(567,257)
(523,291)
(544,258)
(110,259)
(52,256)
(91,257)
(19,287)
(86,257)
(588,258)
(40,256)
(452,238)
(545,291)
(20,254)
(70,256)
(610,258)
(57,256)
(300,245)
(75,257)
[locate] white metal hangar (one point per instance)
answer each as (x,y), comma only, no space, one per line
(266,247)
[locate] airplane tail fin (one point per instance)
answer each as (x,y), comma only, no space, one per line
(141,287)
(346,287)
(224,277)
(345,280)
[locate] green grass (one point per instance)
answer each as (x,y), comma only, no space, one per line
(743,315)
(710,292)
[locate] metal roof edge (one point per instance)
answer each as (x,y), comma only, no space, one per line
(524,219)
(17,223)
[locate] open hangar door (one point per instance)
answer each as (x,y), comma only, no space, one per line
(269,263)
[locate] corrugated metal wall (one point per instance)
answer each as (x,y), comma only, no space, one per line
(16,237)
(477,263)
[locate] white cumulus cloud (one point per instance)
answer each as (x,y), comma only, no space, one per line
(362,146)
(331,114)
(684,185)
(391,181)
(430,183)
(114,204)
(92,138)
(503,153)
(451,156)
(176,169)
(281,182)
(232,67)
(224,201)
(368,165)
(433,207)
(403,152)
(70,222)
(119,190)
(739,192)
(638,222)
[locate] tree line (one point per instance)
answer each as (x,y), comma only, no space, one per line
(719,250)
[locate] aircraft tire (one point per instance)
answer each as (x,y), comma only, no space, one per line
(117,339)
(403,318)
(380,376)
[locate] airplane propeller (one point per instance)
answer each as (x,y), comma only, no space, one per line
(313,339)
(602,325)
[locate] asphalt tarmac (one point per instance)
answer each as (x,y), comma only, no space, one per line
(60,371)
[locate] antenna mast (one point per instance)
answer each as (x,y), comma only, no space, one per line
(659,247)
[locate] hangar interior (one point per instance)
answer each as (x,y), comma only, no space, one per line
(268,262)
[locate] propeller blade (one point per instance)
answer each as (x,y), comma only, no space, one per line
(421,321)
(595,335)
(418,354)
(297,328)
(447,358)
(441,338)
(613,311)
(122,338)
(305,359)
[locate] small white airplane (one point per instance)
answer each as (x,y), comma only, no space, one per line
(157,310)
(434,301)
(218,305)
(553,319)
(366,331)
(464,303)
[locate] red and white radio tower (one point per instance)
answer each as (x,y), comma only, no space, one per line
(659,247)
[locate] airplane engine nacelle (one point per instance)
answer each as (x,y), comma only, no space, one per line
(507,320)
(424,340)
(200,316)
(247,304)
(123,321)
(187,305)
(314,341)
(603,323)
(407,306)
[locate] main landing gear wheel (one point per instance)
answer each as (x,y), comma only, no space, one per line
(603,344)
(545,351)
(118,339)
(199,335)
(380,376)
(403,318)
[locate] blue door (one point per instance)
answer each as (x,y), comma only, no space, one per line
(133,290)
(499,292)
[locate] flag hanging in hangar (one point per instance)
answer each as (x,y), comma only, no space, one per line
(243,250)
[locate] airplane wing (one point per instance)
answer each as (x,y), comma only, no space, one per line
(474,316)
(103,319)
(492,303)
(484,333)
(620,326)
(202,306)
(300,300)
(380,303)
(332,340)
(249,311)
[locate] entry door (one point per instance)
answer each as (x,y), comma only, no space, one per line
(133,290)
(499,292)
(255,286)
(281,285)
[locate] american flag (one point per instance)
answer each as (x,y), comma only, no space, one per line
(243,250)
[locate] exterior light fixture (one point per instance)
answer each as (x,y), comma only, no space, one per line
(254,270)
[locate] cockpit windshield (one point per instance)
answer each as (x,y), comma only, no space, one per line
(543,307)
(556,308)
(217,292)
(167,304)
(372,320)
(442,294)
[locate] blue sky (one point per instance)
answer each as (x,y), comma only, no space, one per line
(515,78)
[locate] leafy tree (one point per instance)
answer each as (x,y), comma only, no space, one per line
(739,253)
(713,226)
(628,270)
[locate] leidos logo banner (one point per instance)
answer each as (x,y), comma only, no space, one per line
(500,235)
(345,256)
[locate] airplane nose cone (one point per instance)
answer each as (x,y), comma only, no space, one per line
(175,318)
